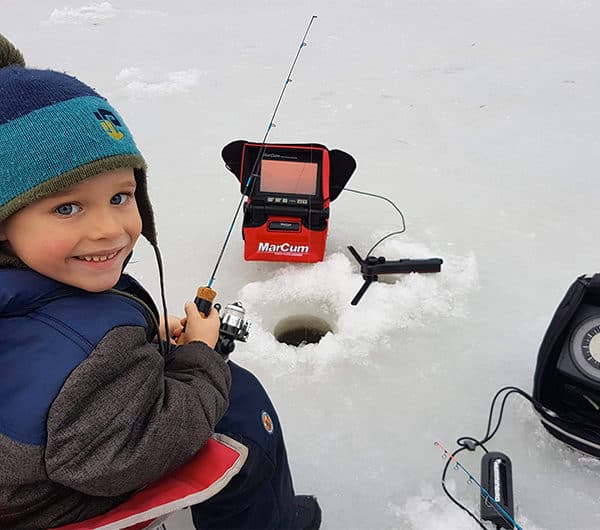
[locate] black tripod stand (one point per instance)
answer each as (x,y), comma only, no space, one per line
(372,267)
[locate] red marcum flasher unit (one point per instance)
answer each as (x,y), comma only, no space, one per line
(289,188)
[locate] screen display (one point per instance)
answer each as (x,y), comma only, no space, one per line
(283,176)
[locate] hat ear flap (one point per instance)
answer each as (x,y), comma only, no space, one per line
(145,206)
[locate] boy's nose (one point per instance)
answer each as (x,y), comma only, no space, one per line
(105,225)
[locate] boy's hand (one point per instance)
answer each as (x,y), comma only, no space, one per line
(174,325)
(199,327)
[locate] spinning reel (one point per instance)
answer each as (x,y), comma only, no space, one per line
(234,325)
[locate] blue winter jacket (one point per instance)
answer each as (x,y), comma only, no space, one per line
(90,410)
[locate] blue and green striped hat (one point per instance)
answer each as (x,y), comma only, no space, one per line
(56,131)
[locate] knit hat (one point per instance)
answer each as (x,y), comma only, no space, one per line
(55,131)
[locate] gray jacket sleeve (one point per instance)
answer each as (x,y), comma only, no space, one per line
(123,418)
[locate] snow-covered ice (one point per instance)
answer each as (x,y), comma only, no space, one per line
(359,334)
(478,119)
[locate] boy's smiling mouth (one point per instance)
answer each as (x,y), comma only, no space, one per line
(98,258)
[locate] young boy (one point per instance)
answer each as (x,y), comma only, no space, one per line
(91,407)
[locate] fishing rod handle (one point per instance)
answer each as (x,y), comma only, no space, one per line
(205,297)
(204,300)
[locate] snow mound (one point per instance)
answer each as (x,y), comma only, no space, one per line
(136,83)
(435,512)
(92,13)
(430,510)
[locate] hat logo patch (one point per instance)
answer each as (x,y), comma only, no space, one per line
(267,422)
(109,122)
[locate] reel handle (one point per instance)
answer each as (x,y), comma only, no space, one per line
(204,301)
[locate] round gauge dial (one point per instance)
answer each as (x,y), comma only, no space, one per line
(585,347)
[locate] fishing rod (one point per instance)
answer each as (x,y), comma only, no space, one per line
(496,467)
(489,500)
(260,156)
(205,294)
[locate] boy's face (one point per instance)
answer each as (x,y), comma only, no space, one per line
(79,236)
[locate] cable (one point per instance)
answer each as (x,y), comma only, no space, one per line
(395,208)
(451,497)
(510,390)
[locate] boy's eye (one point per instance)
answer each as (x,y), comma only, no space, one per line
(120,198)
(67,209)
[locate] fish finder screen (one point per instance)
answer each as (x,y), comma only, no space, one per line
(282,176)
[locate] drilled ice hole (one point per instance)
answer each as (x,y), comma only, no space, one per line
(298,330)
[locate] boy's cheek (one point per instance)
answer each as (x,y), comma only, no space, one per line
(53,247)
(51,244)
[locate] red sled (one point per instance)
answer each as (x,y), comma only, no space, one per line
(289,188)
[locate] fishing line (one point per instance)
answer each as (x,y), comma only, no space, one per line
(260,156)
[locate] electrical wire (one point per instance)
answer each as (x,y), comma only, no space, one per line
(395,233)
(450,496)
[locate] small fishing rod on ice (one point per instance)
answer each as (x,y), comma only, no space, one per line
(497,500)
(489,500)
(205,294)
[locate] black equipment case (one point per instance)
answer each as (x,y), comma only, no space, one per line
(566,383)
